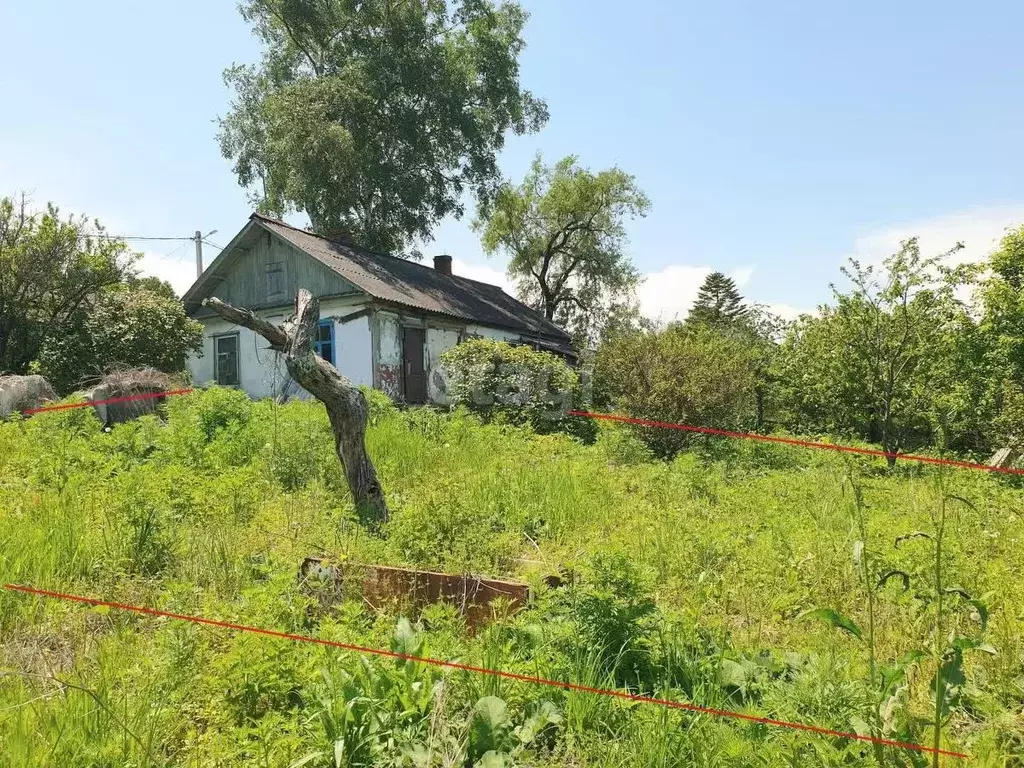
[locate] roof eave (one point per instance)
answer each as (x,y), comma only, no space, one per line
(562,338)
(197,287)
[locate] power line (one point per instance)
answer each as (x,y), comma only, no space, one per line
(139,237)
(166,256)
(209,242)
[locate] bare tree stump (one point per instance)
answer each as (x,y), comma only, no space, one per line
(345,403)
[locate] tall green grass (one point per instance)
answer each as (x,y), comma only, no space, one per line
(683,580)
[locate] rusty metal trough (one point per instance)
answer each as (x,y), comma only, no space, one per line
(408,589)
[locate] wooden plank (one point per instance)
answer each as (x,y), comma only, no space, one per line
(243,282)
(383,586)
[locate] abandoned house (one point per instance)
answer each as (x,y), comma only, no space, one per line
(384,321)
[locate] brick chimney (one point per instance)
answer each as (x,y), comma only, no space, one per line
(443,264)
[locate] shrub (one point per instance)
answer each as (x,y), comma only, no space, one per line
(500,381)
(689,374)
(616,616)
(378,404)
(210,426)
(138,324)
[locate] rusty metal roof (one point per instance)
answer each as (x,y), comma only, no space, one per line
(400,281)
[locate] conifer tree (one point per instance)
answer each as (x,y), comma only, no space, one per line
(718,302)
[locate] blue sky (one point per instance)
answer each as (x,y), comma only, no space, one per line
(774,139)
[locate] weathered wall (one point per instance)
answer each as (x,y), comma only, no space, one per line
(441,335)
(438,340)
(491,333)
(260,371)
(388,354)
(244,281)
(367,350)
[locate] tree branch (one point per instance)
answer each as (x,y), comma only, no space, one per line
(246,318)
(317,69)
(346,406)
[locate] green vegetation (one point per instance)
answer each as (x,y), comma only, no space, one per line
(376,116)
(73,307)
(664,375)
(136,324)
(790,583)
(718,302)
(513,384)
(563,230)
(916,353)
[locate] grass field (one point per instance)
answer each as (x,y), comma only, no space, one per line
(689,580)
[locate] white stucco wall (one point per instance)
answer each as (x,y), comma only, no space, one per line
(261,372)
(353,353)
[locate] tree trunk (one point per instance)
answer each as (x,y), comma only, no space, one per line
(346,406)
(759,398)
(890,443)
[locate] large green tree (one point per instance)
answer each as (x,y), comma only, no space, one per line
(564,231)
(52,269)
(376,116)
(891,360)
(718,302)
(1002,330)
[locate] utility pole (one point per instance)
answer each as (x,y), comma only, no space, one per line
(199,253)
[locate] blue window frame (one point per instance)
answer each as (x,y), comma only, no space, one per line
(324,342)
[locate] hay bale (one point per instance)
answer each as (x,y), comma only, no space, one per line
(23,393)
(129,384)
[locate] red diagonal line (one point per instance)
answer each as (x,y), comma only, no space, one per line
(124,399)
(801,443)
(484,671)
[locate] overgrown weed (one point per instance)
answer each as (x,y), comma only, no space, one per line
(683,580)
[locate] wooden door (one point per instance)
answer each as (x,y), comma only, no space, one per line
(415,372)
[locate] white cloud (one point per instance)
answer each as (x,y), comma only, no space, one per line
(787,311)
(741,275)
(980,229)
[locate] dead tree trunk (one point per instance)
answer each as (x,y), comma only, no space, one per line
(346,406)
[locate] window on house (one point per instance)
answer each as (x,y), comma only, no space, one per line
(324,342)
(275,279)
(226,359)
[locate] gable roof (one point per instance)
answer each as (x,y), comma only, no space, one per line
(407,283)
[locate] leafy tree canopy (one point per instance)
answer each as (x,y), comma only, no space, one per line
(1003,300)
(1002,337)
(374,117)
(893,360)
(52,269)
(718,302)
(139,323)
(563,229)
(72,306)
